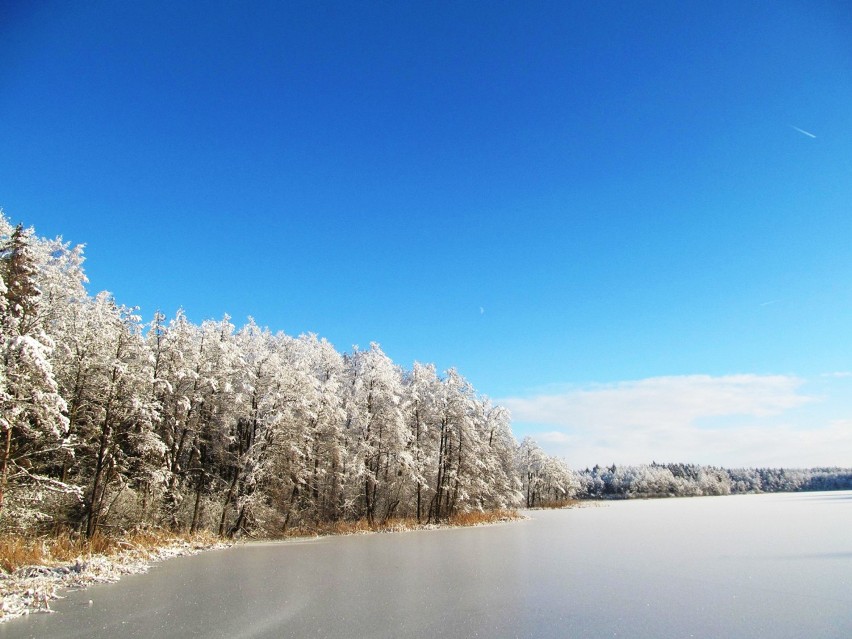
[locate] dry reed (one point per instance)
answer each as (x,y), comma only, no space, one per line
(17,551)
(397,524)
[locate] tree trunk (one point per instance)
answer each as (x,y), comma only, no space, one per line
(94,500)
(198,489)
(227,503)
(368,504)
(417,460)
(440,479)
(4,467)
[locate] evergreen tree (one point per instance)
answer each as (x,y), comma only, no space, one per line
(32,412)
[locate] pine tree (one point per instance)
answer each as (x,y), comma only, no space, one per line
(19,274)
(32,412)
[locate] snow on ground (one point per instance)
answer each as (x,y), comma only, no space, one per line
(31,588)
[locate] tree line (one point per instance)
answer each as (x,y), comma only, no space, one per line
(691,480)
(110,423)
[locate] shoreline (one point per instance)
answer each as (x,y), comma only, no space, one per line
(29,589)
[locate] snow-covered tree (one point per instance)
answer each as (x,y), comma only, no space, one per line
(108,376)
(546,479)
(206,426)
(376,429)
(209,457)
(315,460)
(32,412)
(421,395)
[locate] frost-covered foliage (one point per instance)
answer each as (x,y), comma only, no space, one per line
(107,422)
(687,480)
(546,479)
(33,421)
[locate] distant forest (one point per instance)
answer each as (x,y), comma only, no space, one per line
(111,424)
(689,480)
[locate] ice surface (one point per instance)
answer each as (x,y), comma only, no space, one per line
(775,565)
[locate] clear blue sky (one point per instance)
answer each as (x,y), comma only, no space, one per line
(557,198)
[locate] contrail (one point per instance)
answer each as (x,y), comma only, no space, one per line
(810,135)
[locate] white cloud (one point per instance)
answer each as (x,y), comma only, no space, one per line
(658,401)
(734,420)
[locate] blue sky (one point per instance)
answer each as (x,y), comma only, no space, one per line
(572,203)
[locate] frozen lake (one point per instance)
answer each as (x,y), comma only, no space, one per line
(743,566)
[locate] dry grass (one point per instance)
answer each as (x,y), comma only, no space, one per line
(64,548)
(17,551)
(559,503)
(478,518)
(349,527)
(397,524)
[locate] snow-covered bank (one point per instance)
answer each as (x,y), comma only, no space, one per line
(31,588)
